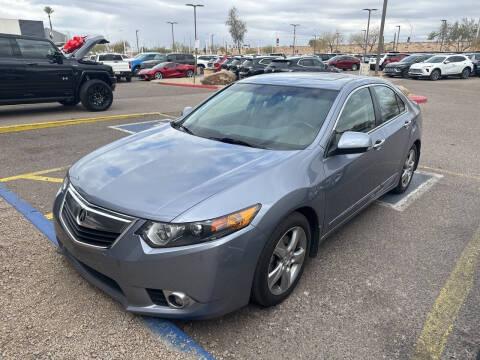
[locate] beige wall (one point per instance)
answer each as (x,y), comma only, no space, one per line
(9,26)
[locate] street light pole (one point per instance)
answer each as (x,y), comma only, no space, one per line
(368,29)
(365,38)
(294,35)
(136,35)
(196,40)
(338,35)
(211,43)
(173,36)
(398,36)
(381,39)
(314,43)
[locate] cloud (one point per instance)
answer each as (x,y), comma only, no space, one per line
(267,19)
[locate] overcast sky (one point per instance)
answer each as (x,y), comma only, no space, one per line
(266,19)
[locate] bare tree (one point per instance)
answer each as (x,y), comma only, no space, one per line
(359,39)
(49,11)
(461,35)
(237,28)
(330,39)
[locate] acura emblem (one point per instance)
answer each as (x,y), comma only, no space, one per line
(82,215)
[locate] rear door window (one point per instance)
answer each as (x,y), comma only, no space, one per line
(34,49)
(387,100)
(5,48)
(306,62)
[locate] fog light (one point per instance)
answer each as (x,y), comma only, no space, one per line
(177,299)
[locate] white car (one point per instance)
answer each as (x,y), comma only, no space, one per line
(118,63)
(442,65)
(202,60)
(373,61)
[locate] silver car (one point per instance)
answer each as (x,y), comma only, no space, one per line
(225,204)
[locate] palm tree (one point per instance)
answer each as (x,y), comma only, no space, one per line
(49,11)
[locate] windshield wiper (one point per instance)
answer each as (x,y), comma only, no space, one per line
(234,141)
(181,126)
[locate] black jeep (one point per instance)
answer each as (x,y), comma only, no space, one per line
(34,70)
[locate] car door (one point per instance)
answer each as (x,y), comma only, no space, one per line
(449,66)
(306,64)
(12,72)
(352,180)
(397,125)
(171,70)
(47,77)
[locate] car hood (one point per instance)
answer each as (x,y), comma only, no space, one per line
(90,42)
(396,64)
(422,65)
(161,173)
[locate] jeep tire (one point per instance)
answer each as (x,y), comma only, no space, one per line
(96,95)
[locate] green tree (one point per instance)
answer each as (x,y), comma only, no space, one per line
(318,45)
(236,27)
(119,46)
(461,35)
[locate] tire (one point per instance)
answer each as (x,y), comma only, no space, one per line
(465,73)
(119,78)
(158,75)
(136,70)
(269,293)
(408,168)
(69,102)
(96,95)
(128,79)
(190,73)
(354,67)
(435,75)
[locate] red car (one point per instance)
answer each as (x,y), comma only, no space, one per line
(393,57)
(167,70)
(345,62)
(218,64)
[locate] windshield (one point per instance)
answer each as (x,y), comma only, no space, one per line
(263,116)
(159,66)
(139,56)
(335,58)
(435,59)
(247,63)
(410,59)
(235,62)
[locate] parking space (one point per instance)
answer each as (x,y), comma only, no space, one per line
(400,281)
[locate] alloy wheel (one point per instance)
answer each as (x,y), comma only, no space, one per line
(408,168)
(287,260)
(158,75)
(98,95)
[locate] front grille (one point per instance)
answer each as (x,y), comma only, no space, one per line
(89,224)
(416,71)
(157,297)
(86,235)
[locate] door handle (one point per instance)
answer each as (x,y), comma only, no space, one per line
(407,124)
(378,144)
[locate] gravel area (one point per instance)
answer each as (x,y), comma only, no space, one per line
(49,311)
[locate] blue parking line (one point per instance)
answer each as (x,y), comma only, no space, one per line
(161,328)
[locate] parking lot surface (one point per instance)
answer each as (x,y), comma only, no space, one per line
(390,284)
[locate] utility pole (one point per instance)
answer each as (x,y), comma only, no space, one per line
(394,40)
(196,40)
(368,29)
(136,35)
(173,36)
(294,35)
(380,38)
(338,36)
(211,43)
(314,43)
(398,36)
(365,38)
(444,29)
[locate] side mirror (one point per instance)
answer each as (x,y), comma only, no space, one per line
(187,110)
(446,61)
(352,142)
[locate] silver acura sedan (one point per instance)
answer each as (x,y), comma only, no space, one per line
(225,204)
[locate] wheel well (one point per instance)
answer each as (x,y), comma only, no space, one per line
(440,71)
(418,144)
(312,218)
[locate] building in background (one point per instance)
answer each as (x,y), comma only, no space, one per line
(57,37)
(22,27)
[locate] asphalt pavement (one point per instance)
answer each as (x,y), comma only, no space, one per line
(384,286)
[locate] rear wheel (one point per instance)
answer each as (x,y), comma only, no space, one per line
(136,70)
(435,75)
(189,73)
(282,261)
(354,67)
(96,95)
(408,169)
(128,78)
(465,73)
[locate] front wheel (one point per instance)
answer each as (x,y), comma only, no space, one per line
(354,67)
(465,73)
(128,78)
(435,75)
(96,95)
(282,261)
(189,73)
(408,169)
(158,75)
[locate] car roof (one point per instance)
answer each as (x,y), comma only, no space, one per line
(330,81)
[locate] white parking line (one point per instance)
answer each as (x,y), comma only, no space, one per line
(405,202)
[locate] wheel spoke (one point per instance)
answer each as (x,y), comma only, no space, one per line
(275,275)
(298,256)
(292,245)
(281,249)
(286,279)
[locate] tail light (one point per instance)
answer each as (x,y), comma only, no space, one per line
(129,65)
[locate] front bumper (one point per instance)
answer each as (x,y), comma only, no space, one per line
(417,74)
(217,275)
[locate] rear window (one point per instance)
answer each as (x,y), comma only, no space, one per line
(279,64)
(110,57)
(5,48)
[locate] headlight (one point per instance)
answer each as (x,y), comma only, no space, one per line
(65,184)
(158,234)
